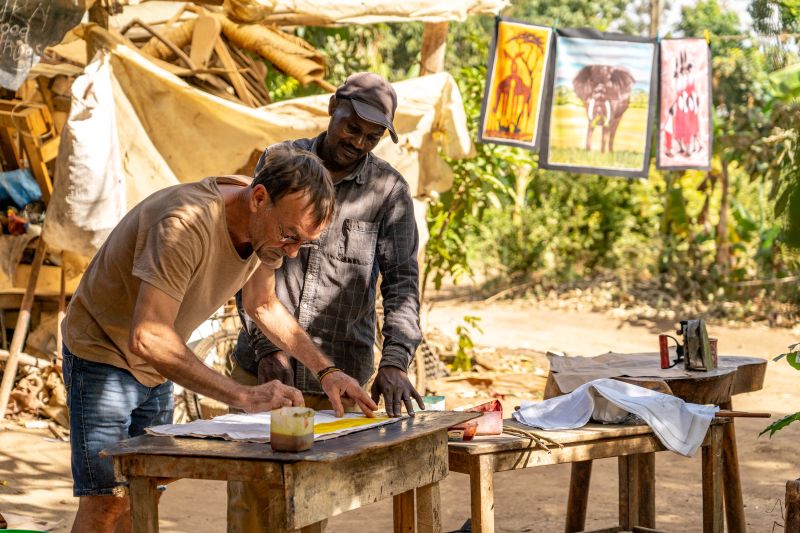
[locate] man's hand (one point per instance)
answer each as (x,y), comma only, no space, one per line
(341,387)
(276,365)
(272,395)
(396,389)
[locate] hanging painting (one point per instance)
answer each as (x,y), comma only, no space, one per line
(684,127)
(514,84)
(602,103)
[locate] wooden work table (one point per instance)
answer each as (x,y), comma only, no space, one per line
(405,460)
(483,456)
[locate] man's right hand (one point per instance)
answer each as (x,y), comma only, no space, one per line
(272,395)
(341,387)
(276,365)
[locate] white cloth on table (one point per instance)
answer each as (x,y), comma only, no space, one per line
(680,426)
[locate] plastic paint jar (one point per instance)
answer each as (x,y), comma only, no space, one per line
(291,429)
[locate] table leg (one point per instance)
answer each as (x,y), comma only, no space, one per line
(647,490)
(144,504)
(404,512)
(628,491)
(578,499)
(734,505)
(481,489)
(429,509)
(712,482)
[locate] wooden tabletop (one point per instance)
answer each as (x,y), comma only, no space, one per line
(424,423)
(735,374)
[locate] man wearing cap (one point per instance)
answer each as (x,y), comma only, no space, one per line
(331,285)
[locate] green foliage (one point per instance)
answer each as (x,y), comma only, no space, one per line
(780,424)
(464,352)
(793,358)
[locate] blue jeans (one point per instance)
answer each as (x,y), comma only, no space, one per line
(106,405)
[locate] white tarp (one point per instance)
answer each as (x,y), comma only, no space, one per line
(106,164)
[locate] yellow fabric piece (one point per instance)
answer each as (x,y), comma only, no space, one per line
(346,423)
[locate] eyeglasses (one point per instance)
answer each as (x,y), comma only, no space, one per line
(293,239)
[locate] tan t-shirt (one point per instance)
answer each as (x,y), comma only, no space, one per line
(176,240)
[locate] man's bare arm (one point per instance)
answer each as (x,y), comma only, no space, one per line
(154,339)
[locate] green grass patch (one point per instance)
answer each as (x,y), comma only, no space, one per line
(578,157)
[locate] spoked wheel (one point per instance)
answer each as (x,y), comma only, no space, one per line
(216,352)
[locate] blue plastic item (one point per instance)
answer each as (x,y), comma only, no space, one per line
(20,187)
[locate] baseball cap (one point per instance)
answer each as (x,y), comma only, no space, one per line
(373,99)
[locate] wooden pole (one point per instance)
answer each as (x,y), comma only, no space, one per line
(21,329)
(434,45)
(655,16)
(793,505)
(62,309)
(99,15)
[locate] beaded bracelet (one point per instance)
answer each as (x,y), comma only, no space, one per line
(325,371)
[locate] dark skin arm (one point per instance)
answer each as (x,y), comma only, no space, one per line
(276,365)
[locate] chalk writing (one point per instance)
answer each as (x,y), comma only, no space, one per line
(27,27)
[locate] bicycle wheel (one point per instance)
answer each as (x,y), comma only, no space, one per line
(216,352)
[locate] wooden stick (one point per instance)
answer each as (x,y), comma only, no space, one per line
(21,329)
(62,309)
(741,414)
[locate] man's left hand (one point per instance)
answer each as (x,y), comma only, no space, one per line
(393,384)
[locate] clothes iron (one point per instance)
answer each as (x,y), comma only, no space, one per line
(697,351)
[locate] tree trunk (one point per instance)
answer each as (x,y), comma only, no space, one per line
(723,258)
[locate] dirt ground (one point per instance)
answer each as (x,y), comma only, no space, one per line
(35,477)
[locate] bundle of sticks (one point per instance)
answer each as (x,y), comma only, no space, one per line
(225,58)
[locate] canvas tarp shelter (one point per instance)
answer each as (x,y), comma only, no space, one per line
(171,132)
(337,12)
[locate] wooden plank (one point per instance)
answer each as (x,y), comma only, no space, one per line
(405,429)
(204,36)
(144,504)
(647,490)
(319,527)
(198,468)
(235,77)
(734,504)
(628,491)
(429,509)
(621,446)
(578,499)
(316,491)
(8,146)
(792,505)
(712,482)
(481,490)
(507,442)
(403,510)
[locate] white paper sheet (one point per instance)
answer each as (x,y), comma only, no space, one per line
(254,427)
(680,426)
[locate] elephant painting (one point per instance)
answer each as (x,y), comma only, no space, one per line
(606,93)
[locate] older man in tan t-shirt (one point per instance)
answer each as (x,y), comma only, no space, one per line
(170,263)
